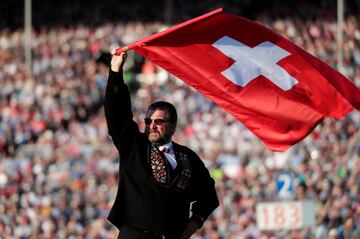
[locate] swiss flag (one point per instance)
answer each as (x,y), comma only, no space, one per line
(275,88)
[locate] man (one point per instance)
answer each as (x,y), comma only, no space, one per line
(159,179)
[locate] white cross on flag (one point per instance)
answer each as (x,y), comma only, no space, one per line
(253,62)
(276,89)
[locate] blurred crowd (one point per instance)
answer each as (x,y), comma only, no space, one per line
(59,169)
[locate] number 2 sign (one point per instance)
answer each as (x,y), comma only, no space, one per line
(284,185)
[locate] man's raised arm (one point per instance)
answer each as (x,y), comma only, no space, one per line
(117,103)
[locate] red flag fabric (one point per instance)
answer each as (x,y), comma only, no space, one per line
(276,89)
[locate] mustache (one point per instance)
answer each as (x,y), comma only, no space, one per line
(148,131)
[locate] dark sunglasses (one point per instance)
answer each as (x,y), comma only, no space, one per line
(148,121)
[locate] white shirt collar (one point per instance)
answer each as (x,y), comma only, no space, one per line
(169,145)
(171,155)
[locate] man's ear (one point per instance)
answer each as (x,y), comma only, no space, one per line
(173,128)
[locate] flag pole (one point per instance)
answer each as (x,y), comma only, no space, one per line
(27,37)
(172,29)
(168,12)
(340,36)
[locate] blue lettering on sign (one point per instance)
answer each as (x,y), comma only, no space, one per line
(285,185)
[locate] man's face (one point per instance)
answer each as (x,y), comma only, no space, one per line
(158,127)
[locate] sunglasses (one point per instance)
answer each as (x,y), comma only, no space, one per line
(148,121)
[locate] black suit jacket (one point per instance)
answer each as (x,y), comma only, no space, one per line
(150,195)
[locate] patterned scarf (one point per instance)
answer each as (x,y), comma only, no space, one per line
(160,169)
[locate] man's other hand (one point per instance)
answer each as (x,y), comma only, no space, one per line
(190,229)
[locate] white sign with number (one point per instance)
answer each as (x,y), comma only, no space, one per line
(285,215)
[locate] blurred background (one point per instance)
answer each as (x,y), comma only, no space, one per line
(59,169)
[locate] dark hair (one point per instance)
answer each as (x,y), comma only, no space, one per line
(163,105)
